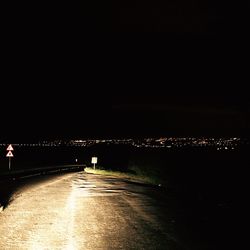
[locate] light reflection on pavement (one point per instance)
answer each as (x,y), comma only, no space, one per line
(85,211)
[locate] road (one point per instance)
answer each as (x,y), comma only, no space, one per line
(86,211)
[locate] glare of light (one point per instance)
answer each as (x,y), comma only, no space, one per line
(62,225)
(71,205)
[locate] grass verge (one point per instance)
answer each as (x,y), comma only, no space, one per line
(130,176)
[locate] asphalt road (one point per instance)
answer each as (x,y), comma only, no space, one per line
(86,211)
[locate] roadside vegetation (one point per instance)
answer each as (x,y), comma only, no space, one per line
(135,174)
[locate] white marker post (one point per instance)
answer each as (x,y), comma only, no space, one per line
(94,161)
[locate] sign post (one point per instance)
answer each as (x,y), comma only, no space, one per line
(94,161)
(10,154)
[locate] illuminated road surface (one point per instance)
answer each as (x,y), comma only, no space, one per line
(85,211)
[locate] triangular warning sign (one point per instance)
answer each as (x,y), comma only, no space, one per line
(9,154)
(10,148)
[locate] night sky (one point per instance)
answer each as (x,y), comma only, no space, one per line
(208,17)
(60,81)
(178,16)
(124,102)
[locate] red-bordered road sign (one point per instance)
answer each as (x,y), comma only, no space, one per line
(9,154)
(10,148)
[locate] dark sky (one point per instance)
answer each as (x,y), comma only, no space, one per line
(41,103)
(59,81)
(68,118)
(60,116)
(208,17)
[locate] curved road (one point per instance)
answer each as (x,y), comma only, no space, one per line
(86,211)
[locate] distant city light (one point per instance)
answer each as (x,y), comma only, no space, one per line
(230,143)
